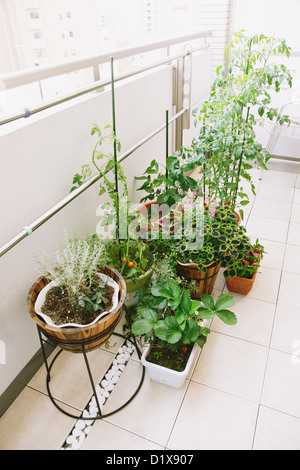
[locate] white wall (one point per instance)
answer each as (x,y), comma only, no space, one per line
(38,158)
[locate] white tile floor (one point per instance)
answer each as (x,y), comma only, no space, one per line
(243,392)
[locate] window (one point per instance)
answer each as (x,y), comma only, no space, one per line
(38,35)
(71,34)
(41,54)
(34,15)
(68,14)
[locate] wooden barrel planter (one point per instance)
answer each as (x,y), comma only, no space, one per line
(75,339)
(205,280)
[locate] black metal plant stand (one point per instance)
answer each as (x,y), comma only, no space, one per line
(49,368)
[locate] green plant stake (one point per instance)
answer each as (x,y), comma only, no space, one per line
(115,150)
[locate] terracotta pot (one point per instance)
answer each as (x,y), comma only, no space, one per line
(76,338)
(205,280)
(144,210)
(240,285)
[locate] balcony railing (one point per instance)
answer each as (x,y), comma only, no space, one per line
(181,100)
(25,77)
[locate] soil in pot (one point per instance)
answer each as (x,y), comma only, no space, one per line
(60,308)
(166,357)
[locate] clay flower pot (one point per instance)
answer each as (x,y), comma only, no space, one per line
(240,285)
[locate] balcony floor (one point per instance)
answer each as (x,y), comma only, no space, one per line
(243,392)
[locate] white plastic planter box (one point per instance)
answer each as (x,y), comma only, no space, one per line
(165,375)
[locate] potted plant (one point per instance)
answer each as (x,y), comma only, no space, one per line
(167,185)
(78,299)
(196,250)
(127,252)
(172,327)
(240,272)
(135,261)
(239,100)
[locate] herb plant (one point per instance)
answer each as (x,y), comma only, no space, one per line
(75,269)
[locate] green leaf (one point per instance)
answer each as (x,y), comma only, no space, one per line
(171,321)
(181,318)
(186,302)
(192,330)
(173,336)
(205,313)
(174,287)
(227,317)
(195,305)
(142,326)
(224,301)
(155,290)
(161,332)
(166,293)
(173,303)
(205,331)
(171,162)
(208,301)
(159,302)
(201,341)
(147,313)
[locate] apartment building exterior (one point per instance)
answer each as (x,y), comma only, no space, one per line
(39,32)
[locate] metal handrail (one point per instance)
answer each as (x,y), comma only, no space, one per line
(74,194)
(23,77)
(25,113)
(27,230)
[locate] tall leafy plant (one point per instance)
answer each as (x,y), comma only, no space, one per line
(126,252)
(240,99)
